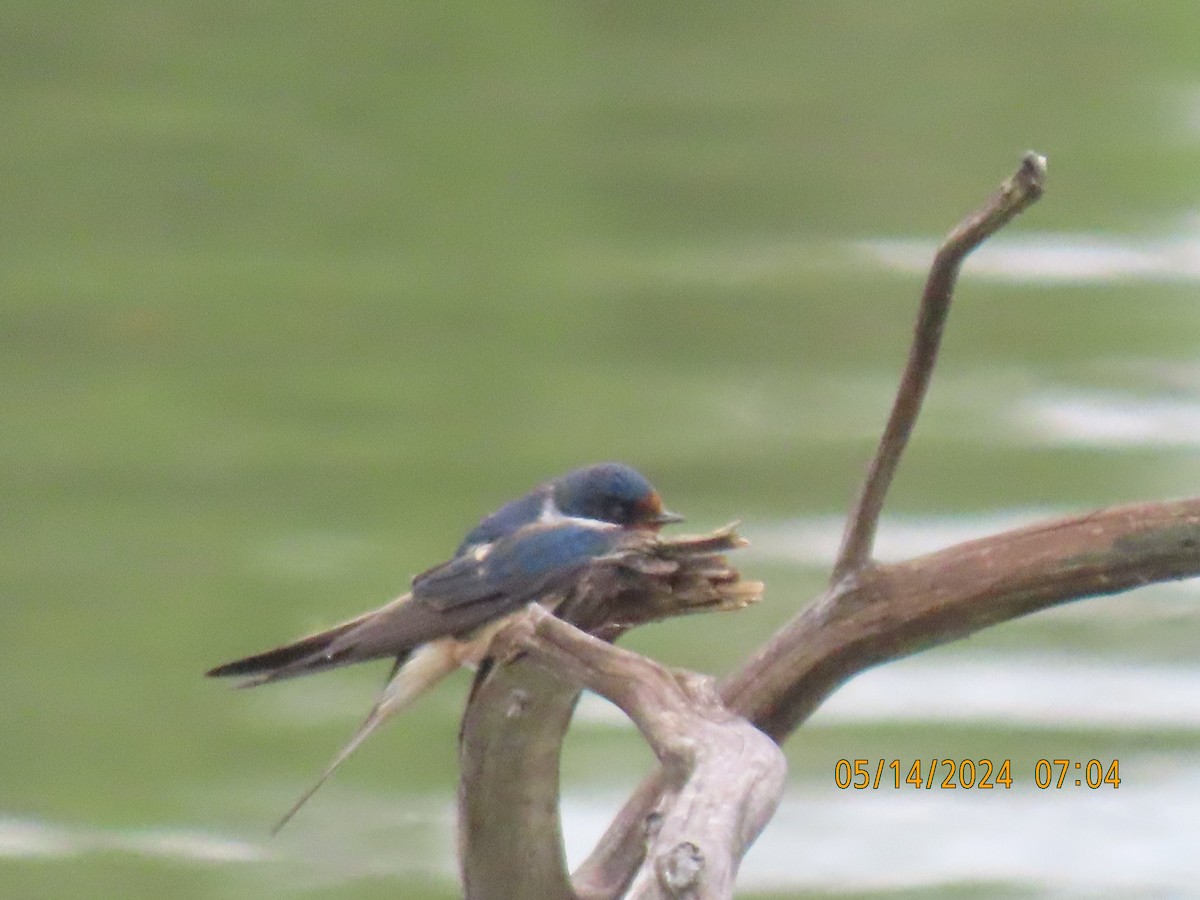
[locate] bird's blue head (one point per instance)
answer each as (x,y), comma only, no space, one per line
(611,492)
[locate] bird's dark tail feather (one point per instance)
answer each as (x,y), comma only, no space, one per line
(303,657)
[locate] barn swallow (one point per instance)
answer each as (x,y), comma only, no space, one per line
(532,549)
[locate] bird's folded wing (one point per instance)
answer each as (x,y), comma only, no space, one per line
(517,568)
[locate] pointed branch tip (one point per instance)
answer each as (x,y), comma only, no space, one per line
(1019,191)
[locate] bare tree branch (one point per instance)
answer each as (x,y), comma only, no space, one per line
(891,611)
(724,777)
(869,614)
(895,610)
(1017,193)
(510,837)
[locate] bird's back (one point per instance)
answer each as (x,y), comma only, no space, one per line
(505,520)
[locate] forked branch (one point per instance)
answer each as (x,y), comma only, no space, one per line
(723,776)
(869,614)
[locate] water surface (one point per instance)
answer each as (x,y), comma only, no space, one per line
(291,296)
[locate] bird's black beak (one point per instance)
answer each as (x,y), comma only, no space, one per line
(666,517)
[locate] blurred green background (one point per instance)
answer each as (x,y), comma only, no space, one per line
(292,293)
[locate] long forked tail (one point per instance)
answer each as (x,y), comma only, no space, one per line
(328,649)
(422,670)
(299,658)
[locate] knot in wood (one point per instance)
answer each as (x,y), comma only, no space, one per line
(653,824)
(518,703)
(679,869)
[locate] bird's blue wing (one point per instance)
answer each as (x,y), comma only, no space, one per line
(519,568)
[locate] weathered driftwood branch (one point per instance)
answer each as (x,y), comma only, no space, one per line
(509,832)
(723,777)
(872,613)
(891,611)
(868,614)
(509,829)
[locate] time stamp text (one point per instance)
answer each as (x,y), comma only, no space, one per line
(974,774)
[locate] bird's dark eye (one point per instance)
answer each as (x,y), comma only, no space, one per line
(616,512)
